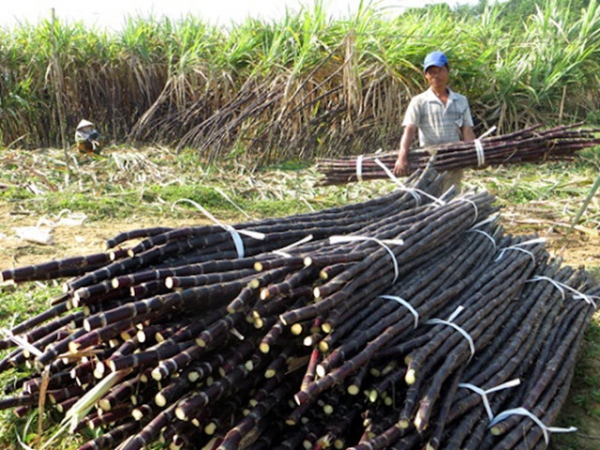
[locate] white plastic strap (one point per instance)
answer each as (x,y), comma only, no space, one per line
(471,202)
(416,193)
(359,169)
(488,132)
(384,243)
(479,146)
(487,235)
(282,251)
(395,179)
(474,229)
(404,303)
(480,153)
(524,412)
(483,394)
(518,248)
(562,287)
(235,234)
(449,322)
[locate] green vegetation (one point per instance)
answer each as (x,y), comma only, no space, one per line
(306,85)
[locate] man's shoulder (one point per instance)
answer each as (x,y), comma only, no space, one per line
(421,99)
(425,95)
(458,97)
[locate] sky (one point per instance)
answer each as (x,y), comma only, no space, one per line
(111,13)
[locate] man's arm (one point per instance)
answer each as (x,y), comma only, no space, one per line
(401,167)
(467,133)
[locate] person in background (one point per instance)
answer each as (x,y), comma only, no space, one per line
(440,116)
(88,139)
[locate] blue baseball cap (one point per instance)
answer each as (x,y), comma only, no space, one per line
(437,58)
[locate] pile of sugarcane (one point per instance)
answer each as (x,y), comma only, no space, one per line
(401,322)
(530,145)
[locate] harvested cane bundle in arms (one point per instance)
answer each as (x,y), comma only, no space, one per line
(402,322)
(531,145)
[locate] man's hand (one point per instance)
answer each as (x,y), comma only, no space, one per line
(401,168)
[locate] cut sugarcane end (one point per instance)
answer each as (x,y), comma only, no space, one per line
(210,428)
(353,389)
(321,372)
(181,415)
(372,396)
(74,347)
(160,400)
(264,347)
(410,377)
(137,414)
(404,423)
(105,405)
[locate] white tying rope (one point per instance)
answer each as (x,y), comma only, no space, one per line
(487,235)
(479,147)
(384,243)
(471,202)
(235,234)
(404,303)
(562,287)
(416,193)
(359,168)
(282,251)
(518,248)
(484,394)
(449,322)
(488,132)
(524,412)
(480,153)
(475,229)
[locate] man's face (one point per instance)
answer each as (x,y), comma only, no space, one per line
(437,76)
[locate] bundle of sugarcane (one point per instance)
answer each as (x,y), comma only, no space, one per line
(530,145)
(388,328)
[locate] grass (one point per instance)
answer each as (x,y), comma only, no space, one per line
(149,183)
(301,87)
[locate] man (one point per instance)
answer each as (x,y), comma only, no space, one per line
(439,115)
(88,139)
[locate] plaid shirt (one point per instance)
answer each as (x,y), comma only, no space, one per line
(438,124)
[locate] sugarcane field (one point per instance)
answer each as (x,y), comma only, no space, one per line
(236,238)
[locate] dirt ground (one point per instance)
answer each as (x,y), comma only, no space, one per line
(76,240)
